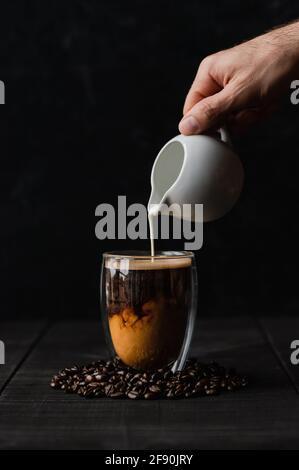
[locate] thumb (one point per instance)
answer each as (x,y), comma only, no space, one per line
(208,112)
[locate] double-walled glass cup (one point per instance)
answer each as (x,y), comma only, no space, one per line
(149,306)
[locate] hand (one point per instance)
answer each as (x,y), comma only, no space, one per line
(242,84)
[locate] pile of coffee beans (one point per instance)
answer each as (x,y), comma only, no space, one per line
(113,379)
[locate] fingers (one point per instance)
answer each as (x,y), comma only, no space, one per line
(209,112)
(204,85)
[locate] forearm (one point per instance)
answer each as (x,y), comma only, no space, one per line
(284,39)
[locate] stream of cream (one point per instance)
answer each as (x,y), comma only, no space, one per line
(152,213)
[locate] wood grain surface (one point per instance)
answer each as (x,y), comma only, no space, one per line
(263,416)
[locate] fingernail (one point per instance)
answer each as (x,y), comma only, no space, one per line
(189,125)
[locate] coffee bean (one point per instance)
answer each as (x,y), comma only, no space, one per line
(214,386)
(179,391)
(150,396)
(109,389)
(155,377)
(135,378)
(211,391)
(154,389)
(244,381)
(185,377)
(93,385)
(115,380)
(88,393)
(116,395)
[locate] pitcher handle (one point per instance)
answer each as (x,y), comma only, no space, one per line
(225,137)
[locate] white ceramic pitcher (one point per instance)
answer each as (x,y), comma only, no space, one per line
(198,169)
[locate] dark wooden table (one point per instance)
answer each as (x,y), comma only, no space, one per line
(263,416)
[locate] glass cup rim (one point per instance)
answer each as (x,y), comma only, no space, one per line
(140,255)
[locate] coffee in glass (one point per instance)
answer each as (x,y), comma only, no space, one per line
(149,306)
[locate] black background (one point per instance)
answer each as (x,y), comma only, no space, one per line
(93,90)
